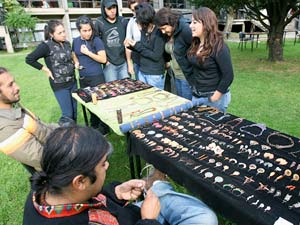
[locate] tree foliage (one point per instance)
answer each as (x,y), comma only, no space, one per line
(274,15)
(17,19)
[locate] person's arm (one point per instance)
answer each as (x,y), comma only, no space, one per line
(129,35)
(25,141)
(129,61)
(41,51)
(155,53)
(75,60)
(100,56)
(223,60)
(181,54)
(98,27)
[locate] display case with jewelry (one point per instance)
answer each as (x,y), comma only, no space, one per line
(112,89)
(242,162)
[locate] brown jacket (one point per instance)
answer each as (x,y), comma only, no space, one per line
(22,135)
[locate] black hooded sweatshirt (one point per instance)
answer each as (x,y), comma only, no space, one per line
(112,34)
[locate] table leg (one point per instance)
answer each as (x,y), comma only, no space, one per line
(138,165)
(85,115)
(131,166)
(252,39)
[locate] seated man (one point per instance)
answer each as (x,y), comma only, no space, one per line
(22,135)
(69,190)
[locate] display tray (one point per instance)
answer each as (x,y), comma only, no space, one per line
(244,170)
(112,89)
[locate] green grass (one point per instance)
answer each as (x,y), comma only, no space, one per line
(262,92)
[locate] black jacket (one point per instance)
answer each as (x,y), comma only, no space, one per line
(125,214)
(182,41)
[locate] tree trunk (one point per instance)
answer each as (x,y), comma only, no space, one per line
(275,43)
(229,20)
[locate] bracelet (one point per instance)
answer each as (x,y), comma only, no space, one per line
(280,146)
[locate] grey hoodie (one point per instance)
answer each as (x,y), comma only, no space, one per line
(112,34)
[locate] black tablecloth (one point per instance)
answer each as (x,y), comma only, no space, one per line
(245,171)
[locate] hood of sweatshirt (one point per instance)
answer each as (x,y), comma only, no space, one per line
(108,4)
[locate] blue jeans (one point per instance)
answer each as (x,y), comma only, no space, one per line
(183,89)
(113,72)
(222,104)
(67,103)
(181,209)
(154,80)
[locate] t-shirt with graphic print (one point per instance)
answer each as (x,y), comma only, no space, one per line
(113,36)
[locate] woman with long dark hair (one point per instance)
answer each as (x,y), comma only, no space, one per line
(59,68)
(89,55)
(172,24)
(210,57)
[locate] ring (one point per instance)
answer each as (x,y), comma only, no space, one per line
(228,186)
(237,191)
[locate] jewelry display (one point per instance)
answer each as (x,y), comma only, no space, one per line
(218,179)
(239,157)
(112,89)
(217,116)
(276,136)
(257,129)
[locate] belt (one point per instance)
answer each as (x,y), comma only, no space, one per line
(203,94)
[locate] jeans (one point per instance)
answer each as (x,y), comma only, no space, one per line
(154,80)
(181,209)
(67,103)
(113,72)
(222,104)
(183,89)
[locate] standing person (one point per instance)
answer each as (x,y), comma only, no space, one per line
(22,134)
(150,48)
(133,32)
(112,30)
(210,56)
(177,29)
(74,165)
(59,68)
(89,54)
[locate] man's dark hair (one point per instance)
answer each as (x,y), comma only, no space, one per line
(69,152)
(166,16)
(144,15)
(3,70)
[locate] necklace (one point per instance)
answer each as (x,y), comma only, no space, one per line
(260,126)
(276,137)
(233,123)
(217,116)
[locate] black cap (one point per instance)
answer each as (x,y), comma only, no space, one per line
(110,3)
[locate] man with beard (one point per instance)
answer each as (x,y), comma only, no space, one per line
(22,134)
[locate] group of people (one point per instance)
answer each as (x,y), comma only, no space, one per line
(151,42)
(69,162)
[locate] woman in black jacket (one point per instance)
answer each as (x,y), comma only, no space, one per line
(59,68)
(210,57)
(177,29)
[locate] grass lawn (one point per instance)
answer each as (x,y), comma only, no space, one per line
(262,92)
